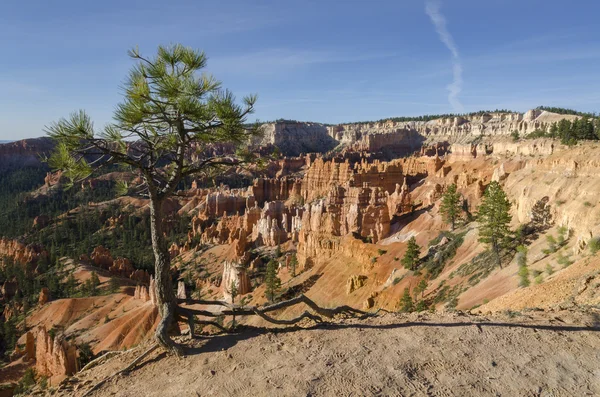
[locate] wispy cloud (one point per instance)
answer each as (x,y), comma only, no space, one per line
(432,8)
(269,61)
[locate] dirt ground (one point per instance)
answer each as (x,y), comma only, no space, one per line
(533,353)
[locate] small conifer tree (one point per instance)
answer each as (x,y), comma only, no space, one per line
(451,206)
(406,302)
(272,282)
(411,257)
(494,219)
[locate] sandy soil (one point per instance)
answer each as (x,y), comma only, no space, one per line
(528,354)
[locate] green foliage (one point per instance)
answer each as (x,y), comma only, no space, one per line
(494,219)
(522,262)
(549,269)
(293,264)
(381,252)
(168,106)
(429,117)
(560,110)
(421,306)
(421,287)
(411,257)
(435,263)
(272,281)
(539,279)
(515,135)
(90,286)
(9,334)
(406,302)
(26,383)
(450,208)
(85,354)
(564,261)
(113,285)
(233,291)
(594,245)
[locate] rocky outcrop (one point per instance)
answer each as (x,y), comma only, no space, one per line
(454,129)
(293,138)
(355,282)
(44,296)
(54,357)
(122,267)
(234,274)
(21,253)
(181,290)
(24,153)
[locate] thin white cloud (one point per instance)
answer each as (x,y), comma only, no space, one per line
(274,60)
(432,8)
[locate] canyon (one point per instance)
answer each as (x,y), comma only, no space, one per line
(335,211)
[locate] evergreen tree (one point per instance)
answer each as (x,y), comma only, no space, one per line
(164,129)
(233,291)
(406,302)
(421,287)
(451,206)
(522,262)
(272,282)
(494,219)
(411,257)
(113,285)
(293,264)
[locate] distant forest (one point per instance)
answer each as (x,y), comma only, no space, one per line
(429,117)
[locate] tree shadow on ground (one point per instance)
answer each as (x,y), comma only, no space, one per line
(220,342)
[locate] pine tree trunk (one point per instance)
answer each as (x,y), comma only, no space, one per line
(496,248)
(165,296)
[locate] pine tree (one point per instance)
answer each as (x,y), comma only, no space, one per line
(233,291)
(411,257)
(451,206)
(293,264)
(94,283)
(113,285)
(494,219)
(406,302)
(272,282)
(169,111)
(421,287)
(522,262)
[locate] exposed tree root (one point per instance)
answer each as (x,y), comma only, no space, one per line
(261,311)
(190,313)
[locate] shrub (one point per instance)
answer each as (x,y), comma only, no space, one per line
(406,302)
(85,354)
(523,276)
(26,383)
(564,261)
(523,270)
(549,269)
(594,245)
(587,204)
(381,252)
(539,279)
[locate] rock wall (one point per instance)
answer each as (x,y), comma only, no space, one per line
(54,358)
(455,129)
(24,153)
(235,273)
(21,253)
(295,138)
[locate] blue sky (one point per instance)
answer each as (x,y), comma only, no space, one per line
(329,61)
